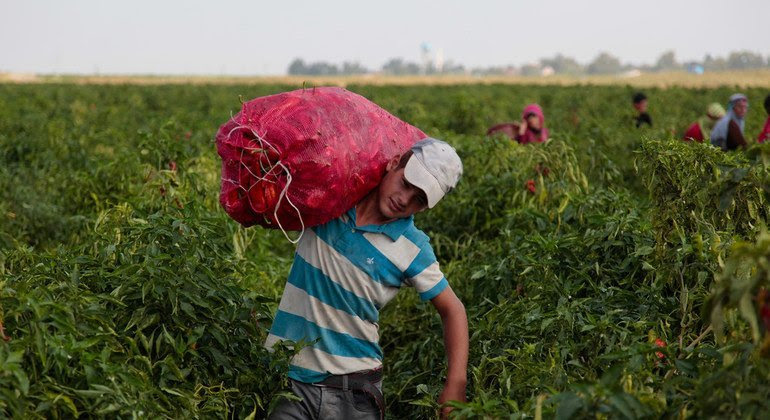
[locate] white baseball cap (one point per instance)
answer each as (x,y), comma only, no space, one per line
(434,168)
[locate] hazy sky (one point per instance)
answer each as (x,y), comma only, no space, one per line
(263,37)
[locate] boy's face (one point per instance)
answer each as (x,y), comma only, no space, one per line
(396,197)
(641,106)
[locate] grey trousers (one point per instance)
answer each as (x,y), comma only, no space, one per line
(322,402)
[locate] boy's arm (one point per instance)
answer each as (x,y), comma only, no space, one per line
(455,324)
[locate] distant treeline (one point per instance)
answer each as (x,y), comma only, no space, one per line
(604,63)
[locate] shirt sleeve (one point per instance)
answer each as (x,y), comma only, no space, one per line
(424,274)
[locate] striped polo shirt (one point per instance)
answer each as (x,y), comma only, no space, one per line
(341,277)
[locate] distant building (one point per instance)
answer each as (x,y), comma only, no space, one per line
(694,68)
(631,73)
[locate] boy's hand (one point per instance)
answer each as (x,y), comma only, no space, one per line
(451,392)
(455,324)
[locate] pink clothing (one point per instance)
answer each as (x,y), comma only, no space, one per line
(509,129)
(764,136)
(531,136)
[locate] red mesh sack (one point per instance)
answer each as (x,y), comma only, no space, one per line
(299,159)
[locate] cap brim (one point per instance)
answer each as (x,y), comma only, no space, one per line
(417,175)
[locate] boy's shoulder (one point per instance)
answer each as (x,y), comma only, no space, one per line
(416,235)
(394,233)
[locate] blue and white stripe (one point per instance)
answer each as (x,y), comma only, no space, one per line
(342,276)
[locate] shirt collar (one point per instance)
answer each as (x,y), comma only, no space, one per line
(392,229)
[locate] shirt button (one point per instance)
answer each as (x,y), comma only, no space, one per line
(352,231)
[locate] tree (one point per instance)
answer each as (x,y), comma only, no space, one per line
(494,71)
(397,66)
(714,63)
(530,70)
(322,68)
(350,67)
(562,64)
(745,60)
(297,67)
(319,68)
(667,62)
(450,67)
(605,63)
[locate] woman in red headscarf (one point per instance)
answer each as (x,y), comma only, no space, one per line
(531,129)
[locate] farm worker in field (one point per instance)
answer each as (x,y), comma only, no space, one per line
(728,131)
(531,129)
(640,105)
(344,271)
(764,135)
(700,129)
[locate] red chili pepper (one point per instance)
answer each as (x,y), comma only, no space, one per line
(660,343)
(172,166)
(531,186)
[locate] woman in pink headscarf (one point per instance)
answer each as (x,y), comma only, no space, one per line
(531,129)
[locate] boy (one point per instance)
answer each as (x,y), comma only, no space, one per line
(640,105)
(346,270)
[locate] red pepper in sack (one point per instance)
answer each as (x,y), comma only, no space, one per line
(299,159)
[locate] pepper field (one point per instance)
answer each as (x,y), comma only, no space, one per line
(609,273)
